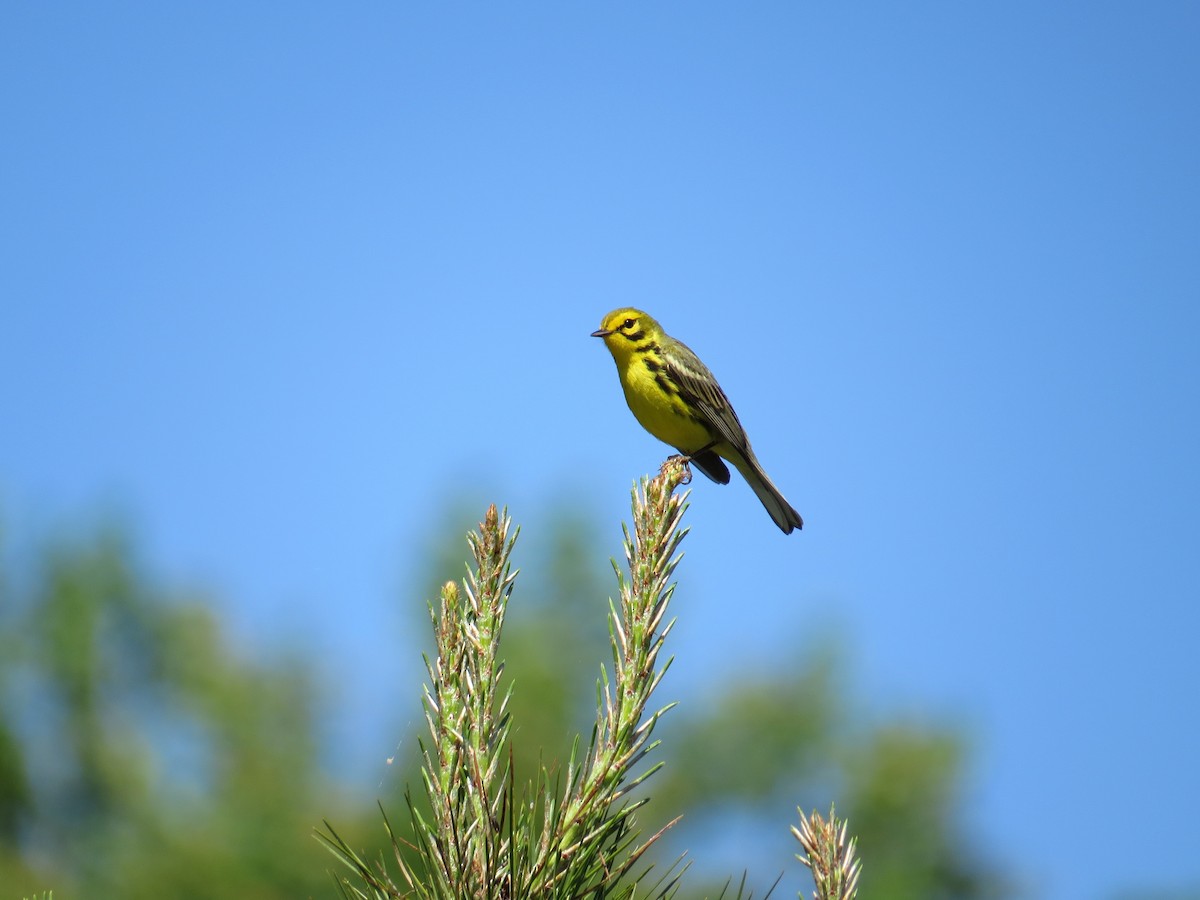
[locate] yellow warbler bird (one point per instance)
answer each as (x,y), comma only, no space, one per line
(678,400)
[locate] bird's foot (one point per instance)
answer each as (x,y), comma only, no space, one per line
(686,461)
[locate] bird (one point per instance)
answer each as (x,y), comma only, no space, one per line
(676,398)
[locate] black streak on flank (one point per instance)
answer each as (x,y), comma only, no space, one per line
(665,383)
(652,364)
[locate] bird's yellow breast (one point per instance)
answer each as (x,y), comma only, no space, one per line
(654,402)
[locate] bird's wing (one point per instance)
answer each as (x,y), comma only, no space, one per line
(699,388)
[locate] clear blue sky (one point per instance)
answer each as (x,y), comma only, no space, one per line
(276,280)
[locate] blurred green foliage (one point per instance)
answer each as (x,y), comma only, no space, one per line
(141,756)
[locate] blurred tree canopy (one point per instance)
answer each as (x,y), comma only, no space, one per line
(140,755)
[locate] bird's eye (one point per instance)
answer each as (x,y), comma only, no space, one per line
(628,323)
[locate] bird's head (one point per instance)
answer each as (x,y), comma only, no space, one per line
(625,330)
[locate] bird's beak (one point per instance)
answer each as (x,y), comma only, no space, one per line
(602,332)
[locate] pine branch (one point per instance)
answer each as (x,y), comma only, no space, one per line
(592,844)
(835,869)
(573,836)
(465,709)
(569,839)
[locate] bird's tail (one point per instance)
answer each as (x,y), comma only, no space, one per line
(781,511)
